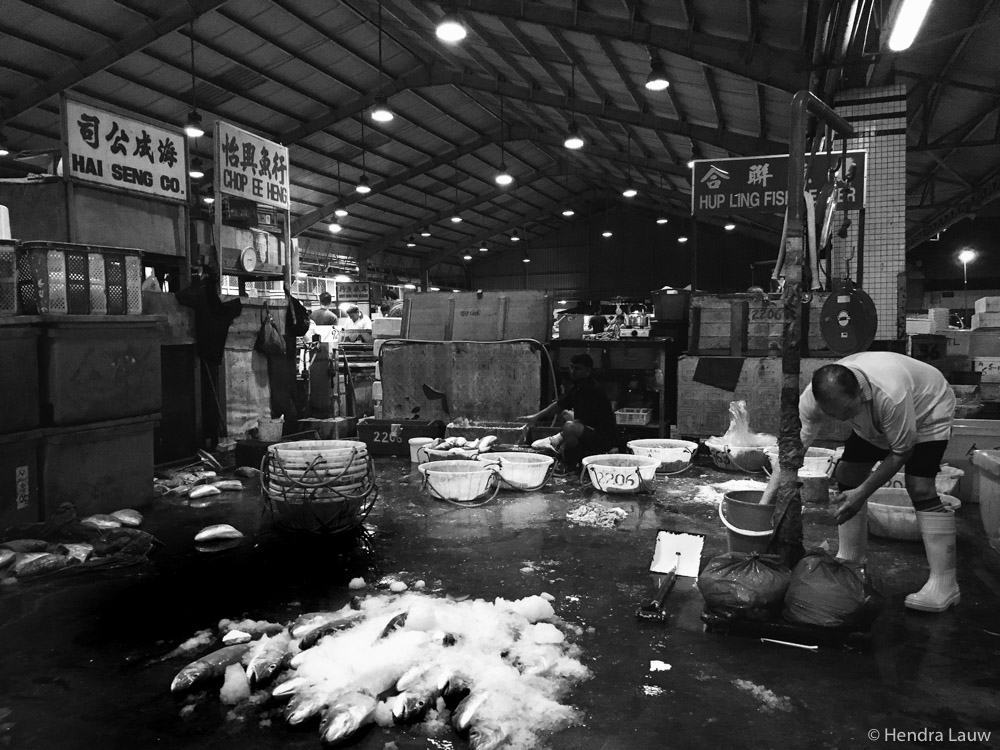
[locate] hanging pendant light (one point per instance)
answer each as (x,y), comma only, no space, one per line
(503,177)
(657,79)
(364,186)
(339,209)
(193,128)
(573,140)
(607,231)
(629,191)
(450,28)
(514,236)
(195,169)
(381,112)
(457,217)
(410,241)
(335,227)
(4,151)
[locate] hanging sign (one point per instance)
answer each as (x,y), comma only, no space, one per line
(251,167)
(353,291)
(108,147)
(759,184)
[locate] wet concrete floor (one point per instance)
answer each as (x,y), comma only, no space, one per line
(77,651)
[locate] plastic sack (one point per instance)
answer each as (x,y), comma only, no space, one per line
(748,585)
(739,432)
(269,340)
(831,593)
(296,316)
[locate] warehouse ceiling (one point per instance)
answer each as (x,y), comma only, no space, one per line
(307,73)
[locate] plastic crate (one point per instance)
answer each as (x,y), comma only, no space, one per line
(633,416)
(8,278)
(19,386)
(384,437)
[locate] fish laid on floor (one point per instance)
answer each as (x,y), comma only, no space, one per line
(218,531)
(228,485)
(101,521)
(7,556)
(128,517)
(266,658)
(34,563)
(26,545)
(203,490)
(78,551)
(312,637)
(209,667)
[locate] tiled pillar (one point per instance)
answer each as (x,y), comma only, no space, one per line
(879,119)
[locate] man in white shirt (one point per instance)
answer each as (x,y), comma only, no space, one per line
(901,411)
(358,321)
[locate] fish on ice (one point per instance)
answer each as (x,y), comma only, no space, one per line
(209,667)
(345,716)
(267,657)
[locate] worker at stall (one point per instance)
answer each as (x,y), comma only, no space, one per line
(589,427)
(901,412)
(324,315)
(357,320)
(391,298)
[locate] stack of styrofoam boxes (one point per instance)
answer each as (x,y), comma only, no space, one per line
(382,329)
(987,313)
(935,322)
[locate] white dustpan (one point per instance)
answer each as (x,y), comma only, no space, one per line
(669,544)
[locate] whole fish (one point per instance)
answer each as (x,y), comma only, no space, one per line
(347,715)
(228,485)
(218,531)
(34,563)
(289,687)
(465,712)
(128,517)
(267,657)
(304,623)
(456,691)
(101,521)
(410,706)
(7,556)
(312,637)
(203,490)
(487,736)
(209,667)
(246,471)
(26,545)
(394,624)
(218,545)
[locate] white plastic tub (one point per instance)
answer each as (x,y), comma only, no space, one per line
(751,459)
(620,473)
(891,514)
(673,455)
(521,471)
(458,481)
(946,482)
(816,460)
(986,486)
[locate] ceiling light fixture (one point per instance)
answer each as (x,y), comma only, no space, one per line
(503,177)
(195,171)
(483,249)
(410,242)
(208,198)
(4,151)
(425,233)
(457,217)
(339,209)
(567,212)
(450,29)
(381,111)
(908,22)
(682,239)
(607,230)
(335,227)
(573,140)
(514,236)
(364,187)
(193,128)
(342,278)
(657,79)
(467,256)
(629,191)
(729,226)
(662,220)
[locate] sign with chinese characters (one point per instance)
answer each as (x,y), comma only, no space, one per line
(251,167)
(352,291)
(110,148)
(759,184)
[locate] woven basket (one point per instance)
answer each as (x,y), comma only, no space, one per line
(319,486)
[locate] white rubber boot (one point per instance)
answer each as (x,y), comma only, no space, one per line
(941,589)
(853,537)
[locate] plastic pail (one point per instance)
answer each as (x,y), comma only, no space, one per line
(415,444)
(269,430)
(748,521)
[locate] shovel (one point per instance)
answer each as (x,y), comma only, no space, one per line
(675,554)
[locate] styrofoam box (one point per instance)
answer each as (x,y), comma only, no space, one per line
(989,367)
(988,304)
(986,320)
(959,343)
(968,435)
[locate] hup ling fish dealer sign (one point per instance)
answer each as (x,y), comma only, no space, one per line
(251,167)
(759,184)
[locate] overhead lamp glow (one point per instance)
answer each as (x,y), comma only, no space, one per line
(662,220)
(335,227)
(342,278)
(729,226)
(339,210)
(606,233)
(573,140)
(567,212)
(691,164)
(503,178)
(450,29)
(409,286)
(425,233)
(456,219)
(4,151)
(682,239)
(193,128)
(208,199)
(456,291)
(435,289)
(526,259)
(515,237)
(195,172)
(467,256)
(411,243)
(381,111)
(364,186)
(657,79)
(483,249)
(908,22)
(630,192)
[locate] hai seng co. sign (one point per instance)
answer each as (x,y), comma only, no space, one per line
(251,167)
(759,184)
(115,149)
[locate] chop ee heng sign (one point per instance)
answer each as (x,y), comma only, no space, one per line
(251,167)
(759,184)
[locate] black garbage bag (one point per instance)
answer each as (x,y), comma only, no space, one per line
(832,593)
(746,585)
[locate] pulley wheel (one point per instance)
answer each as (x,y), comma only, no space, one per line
(849,320)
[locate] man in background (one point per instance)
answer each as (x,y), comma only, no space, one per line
(324,315)
(395,304)
(358,320)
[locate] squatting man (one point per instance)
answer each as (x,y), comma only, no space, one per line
(901,412)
